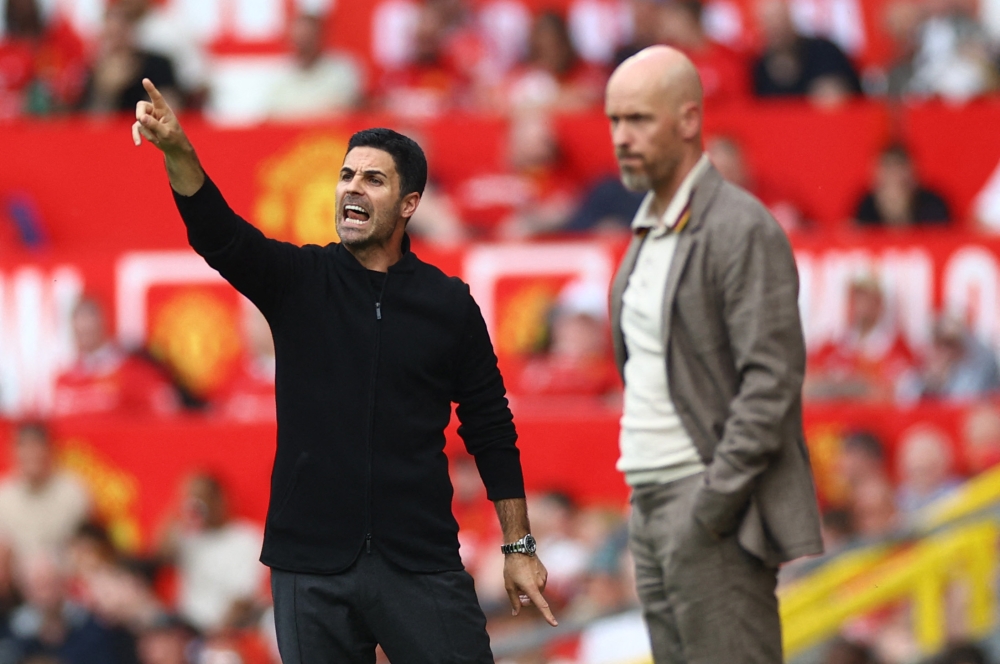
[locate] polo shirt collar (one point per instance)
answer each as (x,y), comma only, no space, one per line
(678,210)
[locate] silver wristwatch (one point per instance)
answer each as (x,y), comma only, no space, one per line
(524,545)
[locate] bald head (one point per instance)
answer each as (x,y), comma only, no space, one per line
(661,71)
(654,104)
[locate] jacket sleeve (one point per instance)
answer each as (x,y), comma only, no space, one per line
(759,288)
(258,267)
(485,421)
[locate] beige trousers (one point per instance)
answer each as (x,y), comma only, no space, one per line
(705,599)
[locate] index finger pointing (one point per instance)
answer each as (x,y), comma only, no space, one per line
(539,600)
(154,94)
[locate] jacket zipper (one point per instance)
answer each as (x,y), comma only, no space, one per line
(371,417)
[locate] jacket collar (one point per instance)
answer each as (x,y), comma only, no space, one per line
(407,262)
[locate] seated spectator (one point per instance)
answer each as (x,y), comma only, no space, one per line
(795,65)
(250,395)
(897,199)
(42,66)
(873,509)
(606,207)
(868,359)
(41,507)
(924,467)
(647,26)
(553,77)
(958,367)
(430,82)
(436,220)
(727,157)
(953,57)
(169,640)
(981,438)
(115,80)
(579,360)
(533,196)
(103,379)
(861,461)
(725,76)
(50,625)
(217,557)
(319,83)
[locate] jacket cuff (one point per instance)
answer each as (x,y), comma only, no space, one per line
(500,469)
(721,501)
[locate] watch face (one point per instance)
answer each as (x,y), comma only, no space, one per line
(529,544)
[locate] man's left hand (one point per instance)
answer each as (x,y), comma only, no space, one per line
(524,578)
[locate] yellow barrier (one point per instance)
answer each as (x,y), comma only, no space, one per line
(814,609)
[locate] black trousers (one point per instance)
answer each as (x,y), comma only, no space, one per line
(416,618)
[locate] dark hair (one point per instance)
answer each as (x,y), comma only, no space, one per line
(896,151)
(865,442)
(409,159)
(23,19)
(35,429)
(693,7)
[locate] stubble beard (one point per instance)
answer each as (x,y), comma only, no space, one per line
(379,230)
(636,180)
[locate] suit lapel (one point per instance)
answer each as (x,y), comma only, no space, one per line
(704,192)
(617,290)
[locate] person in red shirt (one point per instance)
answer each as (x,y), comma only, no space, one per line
(42,67)
(866,362)
(579,361)
(553,76)
(725,75)
(104,379)
(250,396)
(534,195)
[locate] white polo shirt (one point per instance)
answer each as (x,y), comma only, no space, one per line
(655,448)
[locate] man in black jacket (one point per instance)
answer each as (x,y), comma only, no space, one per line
(372,347)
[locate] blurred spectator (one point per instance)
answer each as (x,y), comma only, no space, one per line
(41,507)
(553,77)
(42,66)
(168,640)
(122,599)
(49,625)
(986,206)
(103,379)
(727,157)
(842,651)
(216,556)
(606,207)
(897,199)
(250,396)
(925,468)
(166,28)
(861,460)
(552,518)
(725,75)
(579,360)
(647,24)
(902,23)
(436,219)
(981,437)
(319,83)
(430,82)
(599,27)
(868,359)
(115,80)
(837,529)
(840,21)
(958,367)
(792,64)
(873,509)
(533,196)
(953,57)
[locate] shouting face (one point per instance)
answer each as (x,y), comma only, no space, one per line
(369,207)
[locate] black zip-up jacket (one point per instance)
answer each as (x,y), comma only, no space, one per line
(364,385)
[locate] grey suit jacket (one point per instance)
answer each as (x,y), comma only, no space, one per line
(735,361)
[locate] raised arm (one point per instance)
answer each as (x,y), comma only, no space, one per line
(258,267)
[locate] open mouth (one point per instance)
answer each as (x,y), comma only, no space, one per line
(355,214)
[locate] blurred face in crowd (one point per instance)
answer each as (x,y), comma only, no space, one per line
(42,582)
(428,37)
(654,107)
(865,306)
(88,327)
(117,34)
(874,509)
(727,158)
(577,337)
(307,39)
(204,506)
(370,210)
(549,44)
(925,460)
(981,432)
(164,646)
(680,24)
(33,454)
(532,142)
(775,22)
(856,464)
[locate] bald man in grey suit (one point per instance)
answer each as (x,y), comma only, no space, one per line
(708,339)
